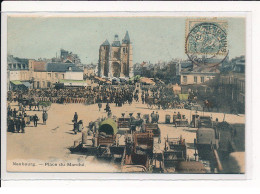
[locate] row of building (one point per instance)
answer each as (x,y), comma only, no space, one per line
(30,73)
(224,84)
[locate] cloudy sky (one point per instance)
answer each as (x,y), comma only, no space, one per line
(154,38)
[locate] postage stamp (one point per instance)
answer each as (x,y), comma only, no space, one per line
(206,40)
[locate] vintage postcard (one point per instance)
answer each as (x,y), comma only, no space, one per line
(125,94)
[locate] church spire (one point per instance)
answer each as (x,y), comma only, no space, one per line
(105,43)
(126,39)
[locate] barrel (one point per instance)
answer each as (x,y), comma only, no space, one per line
(84,136)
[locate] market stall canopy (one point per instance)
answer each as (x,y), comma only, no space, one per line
(100,79)
(73,82)
(183,96)
(16,82)
(27,84)
(147,81)
(108,126)
(137,77)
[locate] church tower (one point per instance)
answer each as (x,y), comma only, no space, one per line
(126,57)
(116,60)
(103,63)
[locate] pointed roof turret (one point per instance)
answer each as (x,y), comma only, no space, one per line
(126,39)
(106,43)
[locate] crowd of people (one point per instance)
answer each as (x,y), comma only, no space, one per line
(18,119)
(100,94)
(160,96)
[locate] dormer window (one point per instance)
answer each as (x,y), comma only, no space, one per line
(70,68)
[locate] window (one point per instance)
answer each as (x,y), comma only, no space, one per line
(195,79)
(48,84)
(62,76)
(123,50)
(202,79)
(56,75)
(14,66)
(49,75)
(185,79)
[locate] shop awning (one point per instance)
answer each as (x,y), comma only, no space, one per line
(27,84)
(71,81)
(16,82)
(67,82)
(183,96)
(147,81)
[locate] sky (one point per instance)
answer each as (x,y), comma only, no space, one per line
(153,38)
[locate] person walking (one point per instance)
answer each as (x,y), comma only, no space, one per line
(75,118)
(107,109)
(80,123)
(18,125)
(22,125)
(14,113)
(157,117)
(75,127)
(153,117)
(35,120)
(99,106)
(44,117)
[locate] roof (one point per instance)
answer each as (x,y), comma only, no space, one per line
(21,60)
(27,84)
(11,59)
(204,69)
(116,43)
(71,81)
(105,43)
(126,39)
(62,67)
(17,82)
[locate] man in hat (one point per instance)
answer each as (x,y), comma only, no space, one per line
(22,124)
(35,120)
(17,125)
(153,117)
(44,117)
(132,118)
(174,119)
(157,117)
(75,118)
(107,109)
(99,106)
(14,113)
(179,115)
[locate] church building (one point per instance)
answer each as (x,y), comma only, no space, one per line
(116,60)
